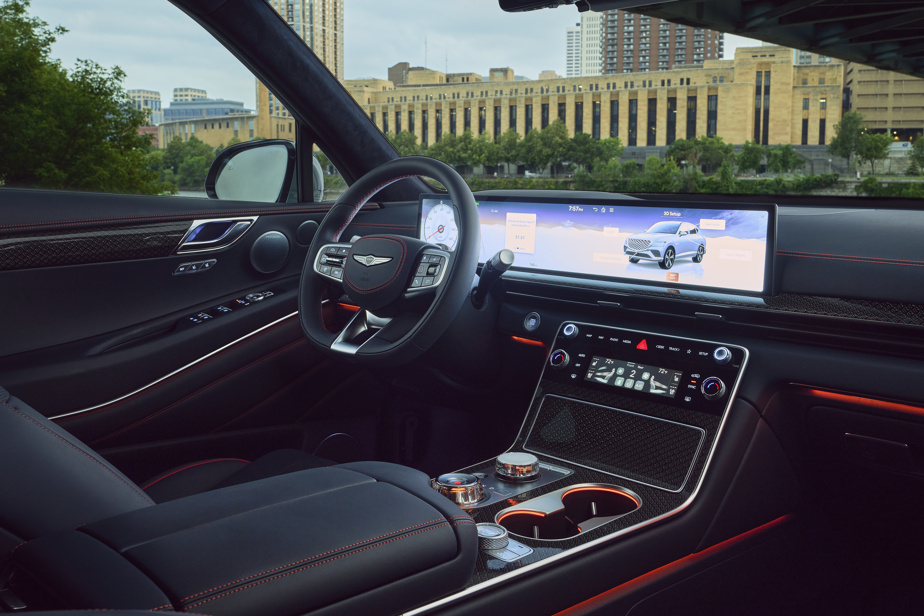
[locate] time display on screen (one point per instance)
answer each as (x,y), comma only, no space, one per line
(634,376)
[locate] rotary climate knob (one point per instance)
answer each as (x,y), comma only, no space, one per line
(713,388)
(462,489)
(517,466)
(559,359)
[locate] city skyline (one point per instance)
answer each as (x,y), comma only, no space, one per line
(167,39)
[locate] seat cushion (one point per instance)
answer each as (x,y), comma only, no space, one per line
(205,475)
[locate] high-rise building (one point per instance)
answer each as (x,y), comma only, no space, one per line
(637,44)
(149,101)
(182,95)
(890,102)
(573,51)
(320,24)
(591,44)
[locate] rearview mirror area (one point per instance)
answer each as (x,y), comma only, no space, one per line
(261,171)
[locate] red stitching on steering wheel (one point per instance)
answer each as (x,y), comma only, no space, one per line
(363,201)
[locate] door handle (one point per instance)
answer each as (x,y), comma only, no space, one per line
(215,234)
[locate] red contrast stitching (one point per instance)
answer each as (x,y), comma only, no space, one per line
(324,562)
(80,451)
(197,392)
(169,379)
(404,251)
(304,560)
(873,260)
(189,466)
(17,547)
(358,206)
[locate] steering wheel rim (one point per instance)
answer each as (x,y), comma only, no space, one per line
(411,325)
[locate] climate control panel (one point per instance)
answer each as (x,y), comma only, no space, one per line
(685,372)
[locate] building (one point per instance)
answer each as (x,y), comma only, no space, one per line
(760,95)
(638,44)
(549,75)
(591,44)
(320,24)
(202,108)
(188,94)
(573,51)
(214,131)
(890,102)
(149,101)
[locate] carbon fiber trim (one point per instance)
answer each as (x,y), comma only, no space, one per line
(89,245)
(654,452)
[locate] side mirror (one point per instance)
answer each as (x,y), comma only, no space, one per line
(262,171)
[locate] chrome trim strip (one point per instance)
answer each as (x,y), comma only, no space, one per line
(175,372)
(232,234)
(570,553)
(686,477)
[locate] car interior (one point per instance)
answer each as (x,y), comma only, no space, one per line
(424,400)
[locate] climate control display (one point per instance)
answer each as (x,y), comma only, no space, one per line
(634,376)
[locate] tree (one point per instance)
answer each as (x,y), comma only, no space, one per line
(873,147)
(916,156)
(713,151)
(847,136)
(405,142)
(533,152)
(554,140)
(67,130)
(751,157)
(783,159)
(508,145)
(582,150)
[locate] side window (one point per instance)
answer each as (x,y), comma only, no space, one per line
(143,118)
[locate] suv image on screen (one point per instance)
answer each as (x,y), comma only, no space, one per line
(665,242)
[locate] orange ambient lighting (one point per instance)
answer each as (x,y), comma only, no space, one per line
(867,402)
(520,512)
(528,341)
(601,600)
(349,307)
(599,489)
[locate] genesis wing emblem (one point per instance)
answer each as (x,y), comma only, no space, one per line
(371,260)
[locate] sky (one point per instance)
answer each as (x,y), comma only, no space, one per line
(160,48)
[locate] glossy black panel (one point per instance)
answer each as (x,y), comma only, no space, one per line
(59,247)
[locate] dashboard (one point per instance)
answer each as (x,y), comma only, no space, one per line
(725,247)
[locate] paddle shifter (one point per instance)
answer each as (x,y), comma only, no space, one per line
(493,269)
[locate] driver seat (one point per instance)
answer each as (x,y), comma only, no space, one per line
(53,481)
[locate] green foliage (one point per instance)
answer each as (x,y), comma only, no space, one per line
(477,183)
(916,164)
(873,188)
(509,147)
(73,130)
(783,159)
(847,133)
(751,157)
(405,142)
(185,163)
(556,144)
(872,147)
(708,152)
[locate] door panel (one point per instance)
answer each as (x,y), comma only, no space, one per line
(97,332)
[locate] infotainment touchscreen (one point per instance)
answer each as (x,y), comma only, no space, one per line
(667,243)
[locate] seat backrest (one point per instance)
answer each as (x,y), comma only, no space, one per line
(50,481)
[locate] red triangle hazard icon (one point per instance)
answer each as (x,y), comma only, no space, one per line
(643,345)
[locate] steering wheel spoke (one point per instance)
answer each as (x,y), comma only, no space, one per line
(430,272)
(331,261)
(362,328)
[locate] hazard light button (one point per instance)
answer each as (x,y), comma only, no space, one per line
(643,345)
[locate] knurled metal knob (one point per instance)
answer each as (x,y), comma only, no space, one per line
(461,488)
(517,466)
(492,536)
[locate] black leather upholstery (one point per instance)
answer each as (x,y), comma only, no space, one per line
(51,480)
(205,475)
(361,538)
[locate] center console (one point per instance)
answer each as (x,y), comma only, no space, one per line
(619,435)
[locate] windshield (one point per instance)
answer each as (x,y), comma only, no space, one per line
(552,99)
(664,227)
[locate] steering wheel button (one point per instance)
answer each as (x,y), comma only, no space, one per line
(325,269)
(428,281)
(417,282)
(422,270)
(433,270)
(331,250)
(336,273)
(343,251)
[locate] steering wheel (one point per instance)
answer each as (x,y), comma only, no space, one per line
(401,314)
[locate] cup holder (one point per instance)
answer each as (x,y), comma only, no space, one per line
(568,512)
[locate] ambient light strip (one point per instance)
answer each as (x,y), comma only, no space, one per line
(872,403)
(175,372)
